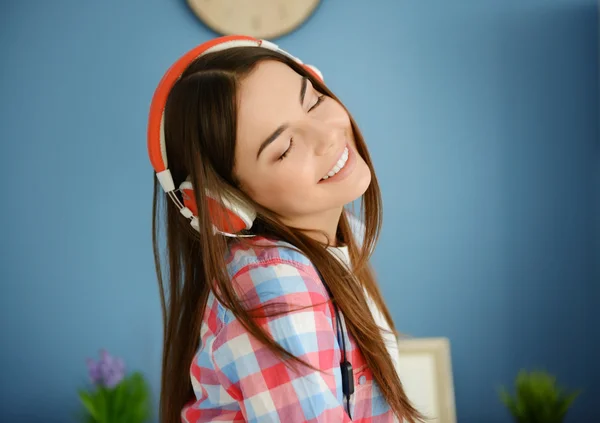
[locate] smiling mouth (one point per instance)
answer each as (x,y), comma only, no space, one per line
(338,166)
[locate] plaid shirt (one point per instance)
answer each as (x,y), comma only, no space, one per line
(236,378)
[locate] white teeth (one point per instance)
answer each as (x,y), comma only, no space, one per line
(339,165)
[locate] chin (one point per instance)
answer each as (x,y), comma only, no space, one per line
(356,186)
(362,181)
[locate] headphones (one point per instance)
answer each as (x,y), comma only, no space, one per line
(228,215)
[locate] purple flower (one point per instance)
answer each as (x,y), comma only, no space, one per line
(93,371)
(109,371)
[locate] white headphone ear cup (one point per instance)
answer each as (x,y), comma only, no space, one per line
(187,194)
(246,213)
(228,215)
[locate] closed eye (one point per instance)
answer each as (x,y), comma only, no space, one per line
(319,101)
(286,152)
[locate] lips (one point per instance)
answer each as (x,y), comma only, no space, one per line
(339,164)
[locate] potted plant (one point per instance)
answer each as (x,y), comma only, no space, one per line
(537,398)
(113,396)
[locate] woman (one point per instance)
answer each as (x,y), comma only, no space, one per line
(271,311)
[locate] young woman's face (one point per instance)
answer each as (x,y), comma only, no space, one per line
(295,152)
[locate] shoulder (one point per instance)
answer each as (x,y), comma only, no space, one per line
(262,270)
(260,250)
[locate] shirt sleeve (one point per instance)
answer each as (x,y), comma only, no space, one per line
(266,389)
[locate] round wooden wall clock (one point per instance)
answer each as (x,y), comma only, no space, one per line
(264,19)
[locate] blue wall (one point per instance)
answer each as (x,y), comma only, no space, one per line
(482,118)
(596,283)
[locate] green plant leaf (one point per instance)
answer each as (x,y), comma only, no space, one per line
(120,400)
(88,402)
(102,402)
(132,396)
(538,398)
(508,401)
(566,403)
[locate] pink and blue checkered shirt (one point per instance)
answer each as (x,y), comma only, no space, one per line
(236,378)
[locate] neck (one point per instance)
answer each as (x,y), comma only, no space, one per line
(321,227)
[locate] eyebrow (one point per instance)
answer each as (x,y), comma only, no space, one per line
(303,90)
(282,128)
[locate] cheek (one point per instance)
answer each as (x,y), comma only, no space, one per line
(337,115)
(280,192)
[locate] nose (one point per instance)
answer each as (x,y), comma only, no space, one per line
(324,136)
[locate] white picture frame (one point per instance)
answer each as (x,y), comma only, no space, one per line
(425,369)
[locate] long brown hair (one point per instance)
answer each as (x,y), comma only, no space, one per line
(200,131)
